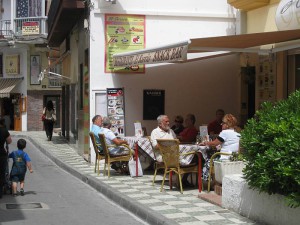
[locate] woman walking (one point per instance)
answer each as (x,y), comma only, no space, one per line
(49,121)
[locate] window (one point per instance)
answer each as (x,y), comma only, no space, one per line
(28,8)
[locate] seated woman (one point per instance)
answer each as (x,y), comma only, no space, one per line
(178,125)
(228,139)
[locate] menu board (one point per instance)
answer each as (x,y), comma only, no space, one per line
(115,110)
(123,33)
(266,79)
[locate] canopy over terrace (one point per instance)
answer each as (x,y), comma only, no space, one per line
(217,46)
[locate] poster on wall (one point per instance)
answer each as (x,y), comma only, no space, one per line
(123,33)
(115,110)
(12,64)
(266,79)
(34,69)
(153,104)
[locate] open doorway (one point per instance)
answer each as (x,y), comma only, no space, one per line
(56,102)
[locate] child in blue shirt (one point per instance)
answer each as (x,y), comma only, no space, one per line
(21,160)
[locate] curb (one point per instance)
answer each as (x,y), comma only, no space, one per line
(144,213)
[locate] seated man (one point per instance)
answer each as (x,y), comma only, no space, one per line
(190,131)
(215,127)
(111,139)
(163,131)
(96,129)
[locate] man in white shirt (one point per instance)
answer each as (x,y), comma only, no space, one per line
(163,131)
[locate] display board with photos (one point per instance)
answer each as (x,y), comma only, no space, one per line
(115,110)
(266,81)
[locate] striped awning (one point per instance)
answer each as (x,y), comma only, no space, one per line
(7,85)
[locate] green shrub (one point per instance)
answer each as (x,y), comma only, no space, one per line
(271,143)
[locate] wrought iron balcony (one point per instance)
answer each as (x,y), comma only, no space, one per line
(5,29)
(30,26)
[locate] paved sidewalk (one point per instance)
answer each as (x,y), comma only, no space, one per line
(136,194)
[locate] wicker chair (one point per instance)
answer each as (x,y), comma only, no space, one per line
(99,156)
(169,149)
(157,165)
(109,158)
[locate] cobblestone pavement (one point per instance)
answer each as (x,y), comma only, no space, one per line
(137,194)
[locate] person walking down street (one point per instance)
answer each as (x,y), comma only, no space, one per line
(5,139)
(21,160)
(50,118)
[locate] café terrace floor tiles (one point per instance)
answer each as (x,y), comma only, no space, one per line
(183,209)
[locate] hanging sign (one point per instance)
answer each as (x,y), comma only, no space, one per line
(30,28)
(178,53)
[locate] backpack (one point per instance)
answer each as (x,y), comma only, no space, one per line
(19,165)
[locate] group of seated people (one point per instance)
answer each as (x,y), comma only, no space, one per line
(102,126)
(223,131)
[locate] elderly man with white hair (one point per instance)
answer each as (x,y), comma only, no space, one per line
(163,131)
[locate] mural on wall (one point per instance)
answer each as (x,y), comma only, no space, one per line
(35,69)
(123,33)
(12,64)
(266,79)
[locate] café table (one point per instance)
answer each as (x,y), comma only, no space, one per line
(144,144)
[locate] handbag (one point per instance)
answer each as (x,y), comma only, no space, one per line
(132,167)
(43,117)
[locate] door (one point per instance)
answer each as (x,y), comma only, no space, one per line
(56,102)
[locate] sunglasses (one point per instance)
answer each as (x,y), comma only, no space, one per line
(176,121)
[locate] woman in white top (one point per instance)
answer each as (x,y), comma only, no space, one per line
(228,139)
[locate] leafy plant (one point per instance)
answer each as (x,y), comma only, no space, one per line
(236,157)
(271,143)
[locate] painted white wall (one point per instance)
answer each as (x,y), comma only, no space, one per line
(198,87)
(260,207)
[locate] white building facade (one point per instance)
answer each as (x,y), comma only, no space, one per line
(199,87)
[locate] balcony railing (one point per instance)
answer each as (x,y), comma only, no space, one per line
(5,29)
(30,26)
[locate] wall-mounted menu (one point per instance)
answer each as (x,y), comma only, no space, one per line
(115,110)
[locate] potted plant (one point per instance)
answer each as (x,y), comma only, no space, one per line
(271,143)
(234,165)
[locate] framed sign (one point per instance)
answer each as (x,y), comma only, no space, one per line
(154,104)
(12,64)
(115,110)
(35,69)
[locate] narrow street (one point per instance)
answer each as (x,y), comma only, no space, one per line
(53,196)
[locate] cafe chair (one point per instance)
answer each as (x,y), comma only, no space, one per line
(99,156)
(157,165)
(109,158)
(169,149)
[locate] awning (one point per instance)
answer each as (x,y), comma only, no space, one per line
(7,85)
(288,39)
